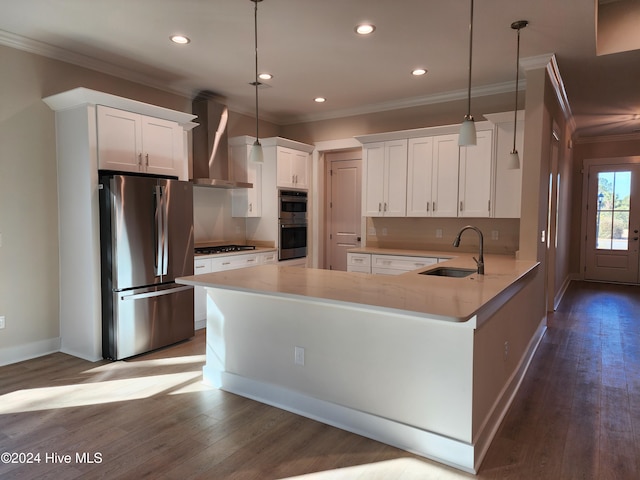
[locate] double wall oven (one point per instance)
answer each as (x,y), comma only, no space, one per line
(292,224)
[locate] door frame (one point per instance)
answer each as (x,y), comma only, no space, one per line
(586,165)
(316,252)
(330,159)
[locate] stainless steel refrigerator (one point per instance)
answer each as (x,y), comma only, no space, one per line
(146,235)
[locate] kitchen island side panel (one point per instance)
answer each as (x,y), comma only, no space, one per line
(411,370)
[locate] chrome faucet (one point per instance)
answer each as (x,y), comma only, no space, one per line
(480,259)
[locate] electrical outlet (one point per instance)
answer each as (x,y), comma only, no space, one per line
(385,231)
(506,351)
(438,233)
(2,322)
(495,234)
(298,356)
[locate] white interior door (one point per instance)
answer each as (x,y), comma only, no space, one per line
(344,180)
(613,222)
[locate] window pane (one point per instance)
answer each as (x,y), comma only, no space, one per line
(604,230)
(612,217)
(620,231)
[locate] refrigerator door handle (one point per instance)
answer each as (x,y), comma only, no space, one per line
(161,239)
(165,231)
(158,229)
(157,293)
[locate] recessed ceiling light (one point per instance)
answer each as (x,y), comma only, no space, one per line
(265,76)
(319,99)
(365,28)
(180,39)
(419,71)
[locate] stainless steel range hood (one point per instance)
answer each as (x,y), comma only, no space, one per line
(210,144)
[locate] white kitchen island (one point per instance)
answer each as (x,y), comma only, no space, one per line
(427,364)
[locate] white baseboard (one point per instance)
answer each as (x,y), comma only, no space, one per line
(442,449)
(27,351)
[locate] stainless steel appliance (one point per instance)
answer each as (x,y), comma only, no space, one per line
(146,235)
(292,224)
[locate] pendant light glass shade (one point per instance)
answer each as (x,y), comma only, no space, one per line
(256,154)
(468,128)
(467,135)
(514,158)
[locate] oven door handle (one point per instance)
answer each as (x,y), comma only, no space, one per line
(285,198)
(293,225)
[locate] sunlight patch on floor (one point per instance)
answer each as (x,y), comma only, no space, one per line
(157,362)
(94,393)
(397,469)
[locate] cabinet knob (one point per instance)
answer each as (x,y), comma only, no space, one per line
(146,157)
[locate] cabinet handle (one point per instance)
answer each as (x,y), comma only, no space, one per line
(226,263)
(434,206)
(251,260)
(460,205)
(140,159)
(385,206)
(250,207)
(488,205)
(200,266)
(428,204)
(379,206)
(146,157)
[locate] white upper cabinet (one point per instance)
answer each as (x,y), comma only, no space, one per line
(475,177)
(138,143)
(443,179)
(446,153)
(245,202)
(385,179)
(292,168)
(432,181)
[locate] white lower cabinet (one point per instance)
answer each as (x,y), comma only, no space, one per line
(381,264)
(219,264)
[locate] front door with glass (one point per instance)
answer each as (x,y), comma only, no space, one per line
(613,222)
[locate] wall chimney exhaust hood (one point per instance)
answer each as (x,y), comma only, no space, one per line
(210,144)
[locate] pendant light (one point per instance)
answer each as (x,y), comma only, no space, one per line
(468,128)
(514,158)
(256,154)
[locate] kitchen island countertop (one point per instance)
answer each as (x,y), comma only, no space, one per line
(452,299)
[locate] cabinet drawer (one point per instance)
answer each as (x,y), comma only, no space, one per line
(267,258)
(201,265)
(359,259)
(400,263)
(230,262)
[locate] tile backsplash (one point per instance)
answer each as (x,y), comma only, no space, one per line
(501,235)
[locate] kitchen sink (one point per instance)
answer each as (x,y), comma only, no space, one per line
(449,272)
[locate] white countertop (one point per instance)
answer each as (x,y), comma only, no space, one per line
(240,252)
(453,299)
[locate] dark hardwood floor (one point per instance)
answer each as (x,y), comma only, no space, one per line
(577,414)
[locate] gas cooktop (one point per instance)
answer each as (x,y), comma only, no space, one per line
(222,249)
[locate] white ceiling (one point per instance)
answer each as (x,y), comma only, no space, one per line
(311,49)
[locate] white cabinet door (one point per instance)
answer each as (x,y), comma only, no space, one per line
(373,172)
(267,258)
(419,177)
(475,177)
(444,195)
(119,140)
(385,179)
(201,265)
(395,202)
(161,146)
(246,202)
(132,142)
(292,168)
